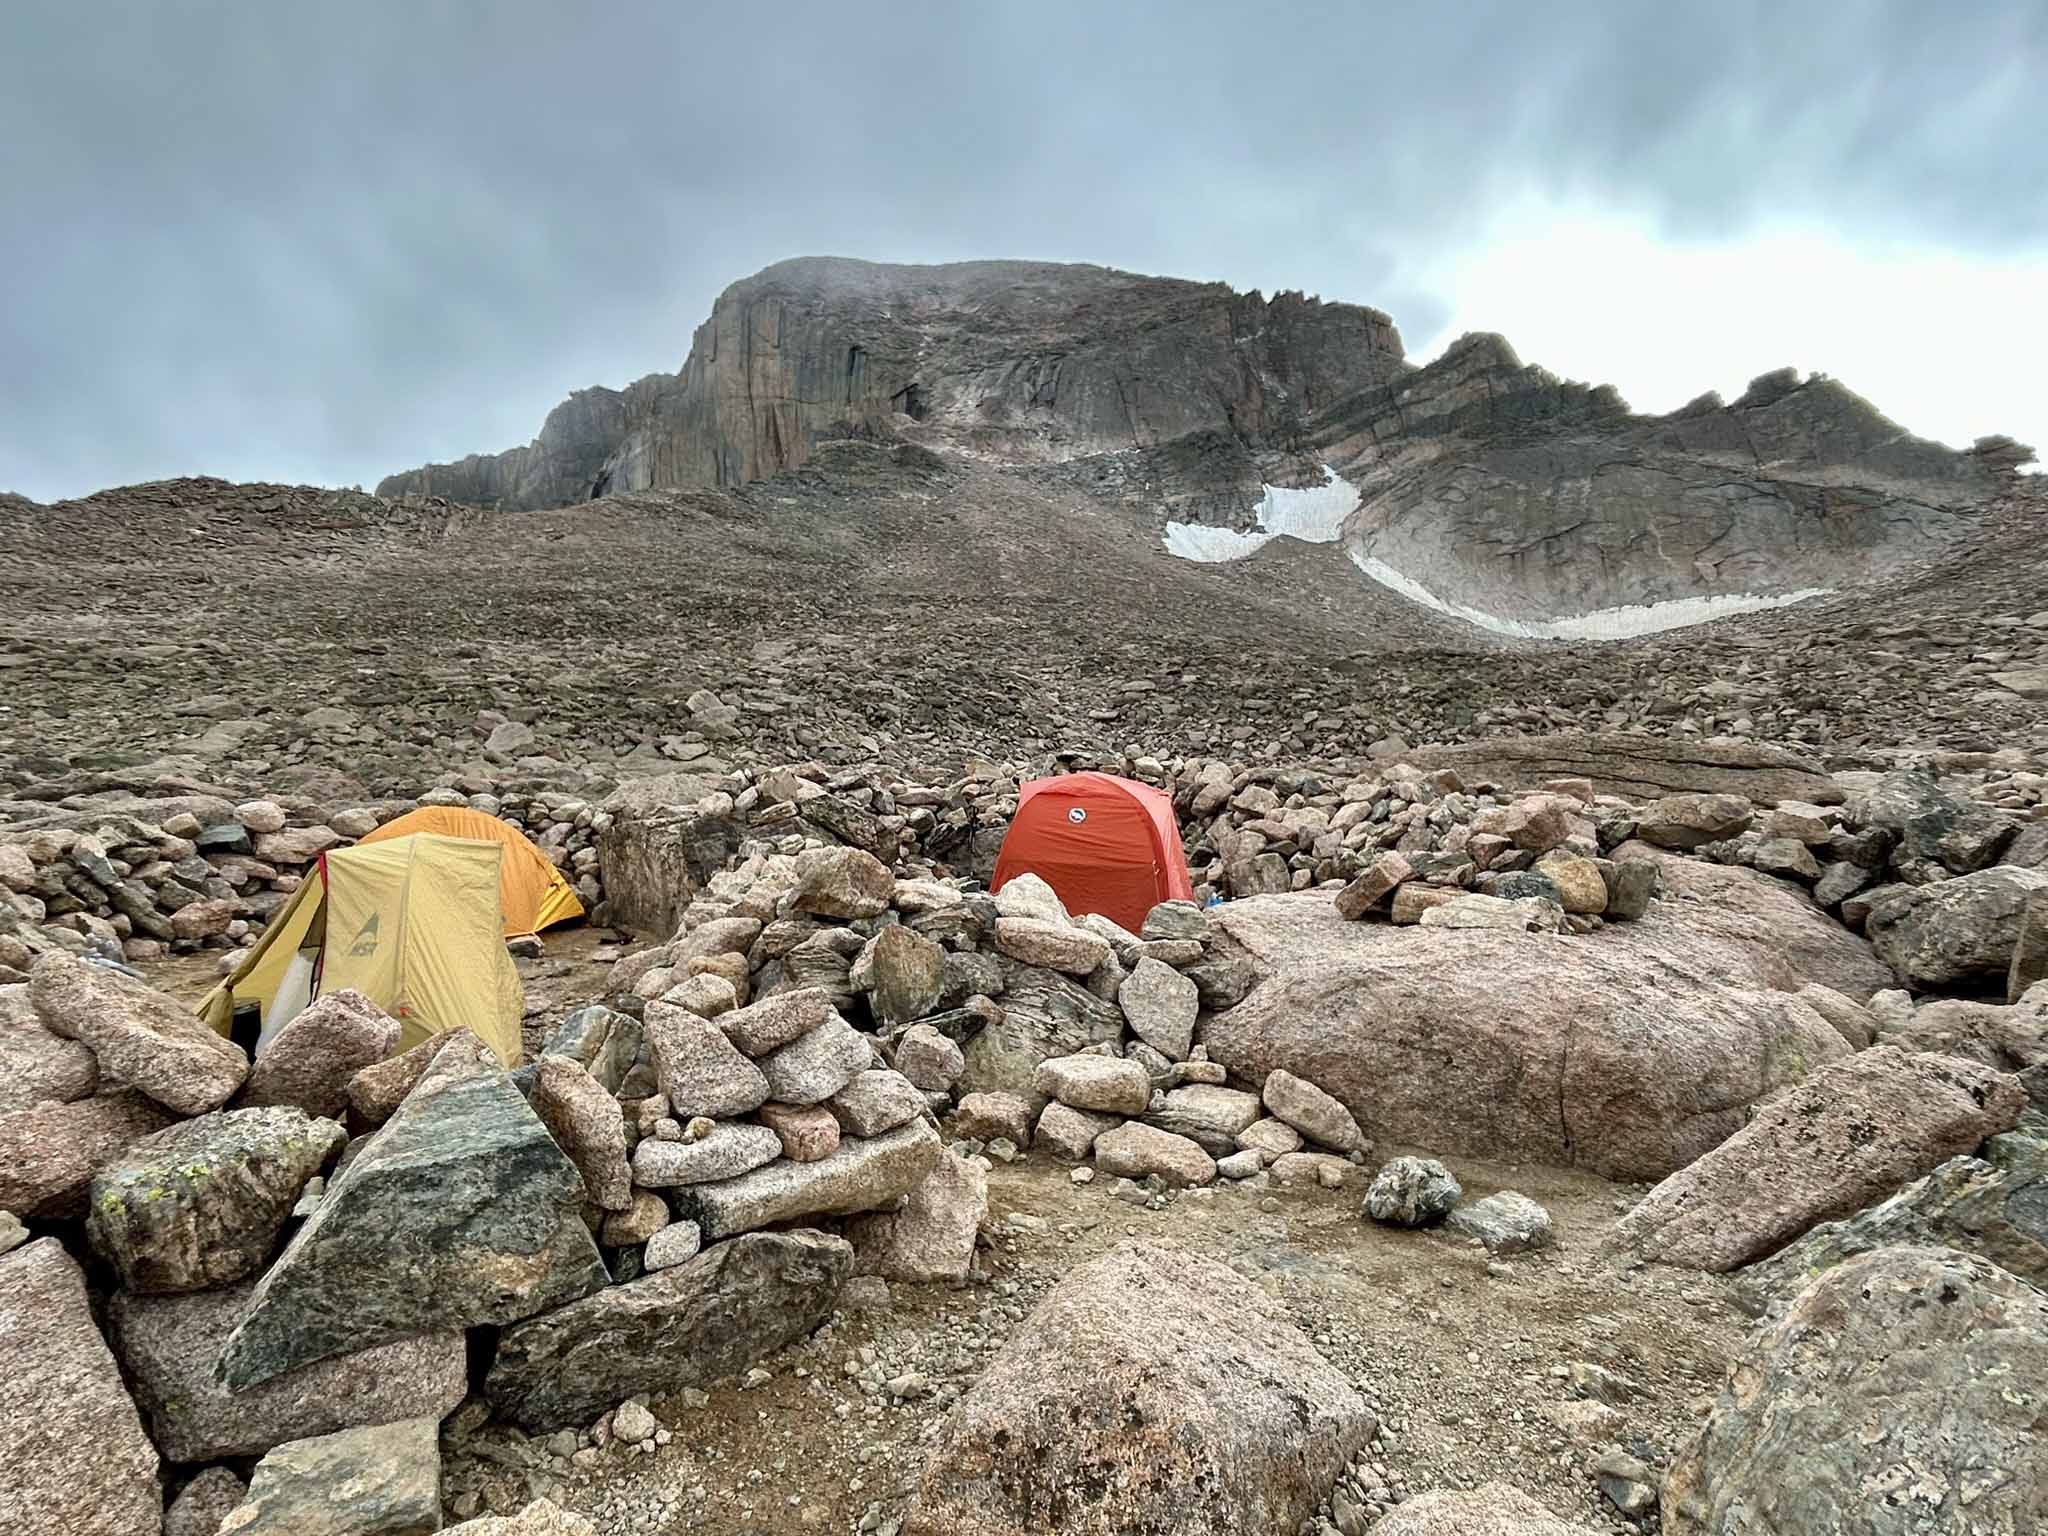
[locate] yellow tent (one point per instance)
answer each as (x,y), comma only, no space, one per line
(414,923)
(536,894)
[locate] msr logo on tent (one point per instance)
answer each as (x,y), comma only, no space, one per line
(365,940)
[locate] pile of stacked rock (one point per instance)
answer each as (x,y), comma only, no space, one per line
(195,870)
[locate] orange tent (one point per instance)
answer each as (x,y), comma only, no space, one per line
(536,895)
(1104,844)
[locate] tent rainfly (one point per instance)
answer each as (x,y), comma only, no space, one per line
(1104,844)
(536,895)
(414,923)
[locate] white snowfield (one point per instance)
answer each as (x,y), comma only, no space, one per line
(1316,516)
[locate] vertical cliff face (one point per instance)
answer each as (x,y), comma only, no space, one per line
(1015,362)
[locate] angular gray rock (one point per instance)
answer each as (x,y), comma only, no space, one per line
(1886,1401)
(1176,920)
(729,1151)
(932,1237)
(1135,1150)
(1691,820)
(310,1061)
(815,1066)
(1211,1117)
(861,1174)
(588,1126)
(1995,1207)
(37,1066)
(1043,1014)
(460,1212)
(141,1037)
(1958,933)
(1638,767)
(604,1043)
(204,1502)
(903,974)
(676,1243)
(686,1326)
(1412,1192)
(1851,1134)
(1851,1020)
(375,1093)
(842,883)
(2030,948)
(168,1344)
(1301,1104)
(377,1480)
(50,1153)
(701,1070)
(1928,824)
(1070,1133)
(203,1203)
(1630,1056)
(1151,1392)
(775,1021)
(73,1457)
(929,1059)
(877,1100)
(1508,1222)
(1160,1005)
(1032,941)
(1108,1084)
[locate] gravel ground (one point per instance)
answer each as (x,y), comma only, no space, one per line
(1477,1370)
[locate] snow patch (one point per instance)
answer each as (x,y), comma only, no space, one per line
(1601,623)
(1314,514)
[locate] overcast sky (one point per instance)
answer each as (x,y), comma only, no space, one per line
(323,243)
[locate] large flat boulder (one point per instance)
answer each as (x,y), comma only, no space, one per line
(73,1457)
(1850,1134)
(460,1212)
(379,1480)
(684,1326)
(1151,1394)
(142,1037)
(203,1203)
(49,1153)
(860,1174)
(1900,1393)
(36,1065)
(1630,1052)
(168,1344)
(1637,767)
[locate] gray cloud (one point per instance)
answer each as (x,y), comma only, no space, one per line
(306,243)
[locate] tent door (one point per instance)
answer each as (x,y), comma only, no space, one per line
(294,994)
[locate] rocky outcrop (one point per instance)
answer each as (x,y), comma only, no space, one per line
(1630,1054)
(1152,1393)
(1995,1206)
(1500,487)
(1888,1400)
(1850,1134)
(1027,361)
(1637,767)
